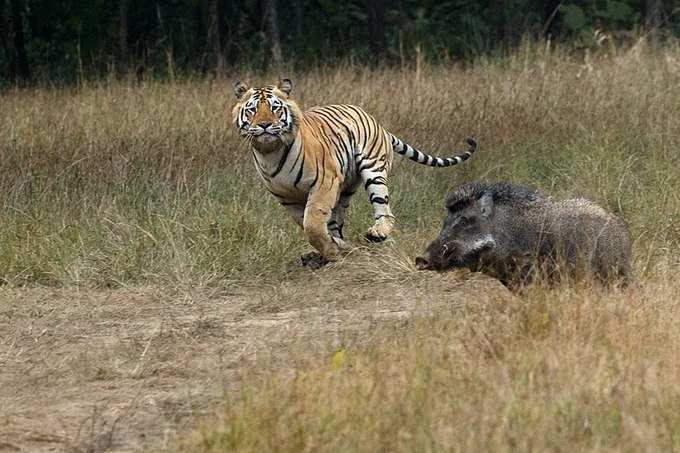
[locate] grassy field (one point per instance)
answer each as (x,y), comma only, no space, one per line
(146,193)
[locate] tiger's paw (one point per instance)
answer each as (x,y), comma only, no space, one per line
(313,260)
(381,230)
(342,245)
(372,237)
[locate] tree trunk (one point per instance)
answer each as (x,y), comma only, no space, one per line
(550,10)
(298,6)
(123,33)
(7,45)
(23,69)
(497,8)
(222,30)
(377,39)
(215,35)
(229,27)
(653,19)
(272,24)
(13,42)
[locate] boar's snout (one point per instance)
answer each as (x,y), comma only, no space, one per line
(424,263)
(436,257)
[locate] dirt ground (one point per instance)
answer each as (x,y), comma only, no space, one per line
(129,369)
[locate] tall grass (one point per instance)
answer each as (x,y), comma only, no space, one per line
(111,184)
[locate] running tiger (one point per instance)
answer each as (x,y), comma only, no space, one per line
(314,161)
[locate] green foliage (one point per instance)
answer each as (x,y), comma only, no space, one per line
(610,16)
(574,18)
(66,37)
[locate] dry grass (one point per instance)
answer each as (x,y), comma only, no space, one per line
(127,369)
(113,186)
(567,370)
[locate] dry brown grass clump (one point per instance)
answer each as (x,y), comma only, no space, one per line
(556,370)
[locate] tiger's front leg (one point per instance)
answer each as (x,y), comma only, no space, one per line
(314,260)
(318,211)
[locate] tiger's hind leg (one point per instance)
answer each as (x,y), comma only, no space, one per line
(375,183)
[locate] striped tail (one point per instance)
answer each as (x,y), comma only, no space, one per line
(426,159)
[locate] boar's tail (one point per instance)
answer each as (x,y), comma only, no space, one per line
(427,159)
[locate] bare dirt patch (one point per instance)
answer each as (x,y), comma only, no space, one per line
(126,369)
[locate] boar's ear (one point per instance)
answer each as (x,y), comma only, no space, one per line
(240,89)
(485,204)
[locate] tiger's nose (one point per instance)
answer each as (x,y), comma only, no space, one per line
(264,125)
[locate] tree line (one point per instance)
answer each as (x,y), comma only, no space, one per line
(69,39)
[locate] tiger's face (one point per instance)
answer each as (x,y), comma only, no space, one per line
(265,115)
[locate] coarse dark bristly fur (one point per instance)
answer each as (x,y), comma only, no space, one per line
(502,192)
(511,232)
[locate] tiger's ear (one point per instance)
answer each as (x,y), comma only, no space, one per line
(240,88)
(286,86)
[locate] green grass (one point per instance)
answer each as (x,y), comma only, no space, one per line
(113,184)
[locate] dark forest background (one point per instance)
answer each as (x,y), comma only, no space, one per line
(70,39)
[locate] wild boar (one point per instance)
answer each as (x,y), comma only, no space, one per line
(512,233)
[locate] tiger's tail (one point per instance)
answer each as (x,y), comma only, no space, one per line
(433,161)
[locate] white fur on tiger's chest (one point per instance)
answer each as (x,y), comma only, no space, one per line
(279,172)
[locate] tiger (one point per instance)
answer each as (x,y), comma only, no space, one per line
(314,161)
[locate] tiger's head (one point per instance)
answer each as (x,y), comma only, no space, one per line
(266,116)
